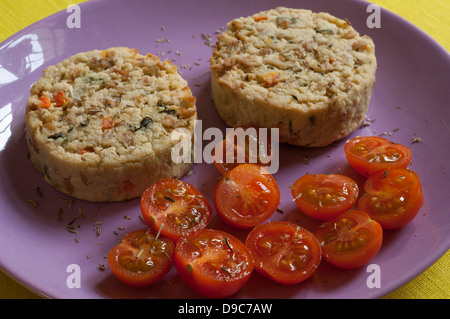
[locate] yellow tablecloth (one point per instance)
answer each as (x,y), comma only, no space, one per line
(429,15)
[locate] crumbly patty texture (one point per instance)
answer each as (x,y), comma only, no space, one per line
(99,124)
(309,74)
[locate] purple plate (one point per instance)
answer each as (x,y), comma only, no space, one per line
(409,103)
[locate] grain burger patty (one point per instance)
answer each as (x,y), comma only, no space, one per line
(309,74)
(99,124)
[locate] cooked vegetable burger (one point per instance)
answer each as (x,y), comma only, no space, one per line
(99,124)
(309,74)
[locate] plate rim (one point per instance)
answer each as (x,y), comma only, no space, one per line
(438,253)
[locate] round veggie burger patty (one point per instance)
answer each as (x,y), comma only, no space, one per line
(309,74)
(99,124)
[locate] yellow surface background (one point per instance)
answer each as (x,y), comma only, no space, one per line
(432,16)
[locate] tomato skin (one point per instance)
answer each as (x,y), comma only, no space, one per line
(370,154)
(324,196)
(246,196)
(351,240)
(213,263)
(279,252)
(175,208)
(128,259)
(393,197)
(231,148)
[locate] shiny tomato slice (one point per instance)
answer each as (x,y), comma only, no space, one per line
(370,154)
(350,240)
(284,252)
(393,197)
(324,196)
(175,208)
(141,259)
(246,196)
(242,144)
(213,263)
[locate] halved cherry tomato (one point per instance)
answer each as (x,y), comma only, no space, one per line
(350,240)
(370,154)
(324,196)
(284,252)
(393,197)
(242,144)
(246,196)
(175,207)
(213,263)
(141,259)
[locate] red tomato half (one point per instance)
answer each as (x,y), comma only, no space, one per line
(393,197)
(370,154)
(242,144)
(213,263)
(350,240)
(284,252)
(246,196)
(175,208)
(141,259)
(324,196)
